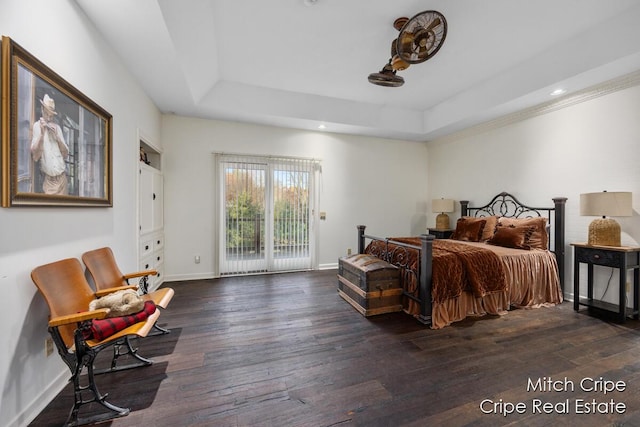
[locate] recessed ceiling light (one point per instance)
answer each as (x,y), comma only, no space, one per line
(322,126)
(558,92)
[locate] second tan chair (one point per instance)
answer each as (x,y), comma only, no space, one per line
(107,277)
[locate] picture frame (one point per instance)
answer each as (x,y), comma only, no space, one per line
(56,147)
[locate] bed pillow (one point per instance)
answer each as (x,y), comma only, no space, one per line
(489,227)
(539,238)
(469,229)
(513,237)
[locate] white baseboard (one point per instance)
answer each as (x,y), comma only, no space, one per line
(210,275)
(331,266)
(191,276)
(32,410)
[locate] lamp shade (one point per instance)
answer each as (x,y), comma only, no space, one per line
(442,205)
(605,231)
(606,203)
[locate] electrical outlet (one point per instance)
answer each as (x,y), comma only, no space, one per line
(196,259)
(348,251)
(48,346)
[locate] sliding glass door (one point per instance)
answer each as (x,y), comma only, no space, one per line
(267,214)
(243,227)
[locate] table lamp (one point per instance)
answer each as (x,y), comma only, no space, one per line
(605,231)
(442,206)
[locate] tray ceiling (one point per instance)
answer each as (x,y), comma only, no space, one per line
(299,63)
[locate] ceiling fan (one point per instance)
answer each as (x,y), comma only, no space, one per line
(419,38)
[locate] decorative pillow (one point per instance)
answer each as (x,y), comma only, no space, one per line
(120,303)
(469,229)
(512,237)
(489,227)
(539,238)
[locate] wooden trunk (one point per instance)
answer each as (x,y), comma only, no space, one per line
(369,284)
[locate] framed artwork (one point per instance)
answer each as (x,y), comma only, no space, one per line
(56,142)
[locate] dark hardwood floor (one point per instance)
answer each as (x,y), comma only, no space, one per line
(286,350)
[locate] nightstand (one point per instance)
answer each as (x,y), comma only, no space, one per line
(440,234)
(623,258)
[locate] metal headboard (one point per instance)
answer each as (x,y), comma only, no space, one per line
(505,204)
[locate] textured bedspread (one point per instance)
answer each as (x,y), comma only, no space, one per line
(482,273)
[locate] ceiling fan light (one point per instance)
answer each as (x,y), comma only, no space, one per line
(381,79)
(386,77)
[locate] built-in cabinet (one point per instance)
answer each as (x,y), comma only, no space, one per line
(150,213)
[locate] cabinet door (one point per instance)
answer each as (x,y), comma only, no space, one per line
(158,218)
(145,200)
(151,199)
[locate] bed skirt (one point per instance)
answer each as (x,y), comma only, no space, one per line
(467,305)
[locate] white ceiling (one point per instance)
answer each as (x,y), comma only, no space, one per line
(294,64)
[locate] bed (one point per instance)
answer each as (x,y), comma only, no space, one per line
(502,255)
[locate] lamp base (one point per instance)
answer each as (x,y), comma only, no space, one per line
(442,221)
(604,232)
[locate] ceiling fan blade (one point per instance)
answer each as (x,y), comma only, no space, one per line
(434,24)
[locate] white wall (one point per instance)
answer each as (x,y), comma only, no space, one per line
(377,182)
(587,147)
(58,34)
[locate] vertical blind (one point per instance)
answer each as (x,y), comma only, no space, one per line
(267,214)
